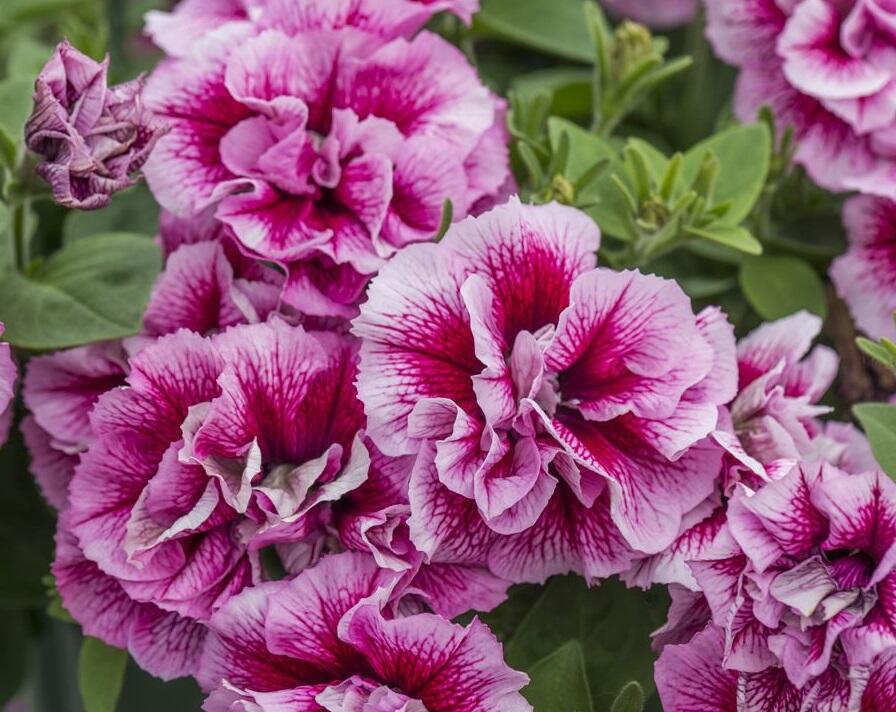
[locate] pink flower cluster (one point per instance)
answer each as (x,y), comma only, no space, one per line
(826,68)
(333,434)
(519,412)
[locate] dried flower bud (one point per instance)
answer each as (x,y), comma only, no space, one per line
(93,138)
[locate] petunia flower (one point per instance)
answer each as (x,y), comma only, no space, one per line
(862,275)
(775,414)
(322,643)
(374,518)
(325,148)
(825,68)
(212,438)
(558,411)
(92,139)
(803,573)
(235,454)
(692,678)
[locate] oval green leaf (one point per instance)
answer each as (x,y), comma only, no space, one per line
(743,153)
(93,289)
(733,236)
(879,423)
(558,682)
(553,26)
(100,675)
(629,699)
(778,286)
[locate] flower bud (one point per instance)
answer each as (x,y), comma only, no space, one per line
(93,138)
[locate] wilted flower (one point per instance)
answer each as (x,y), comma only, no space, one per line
(653,13)
(866,275)
(322,642)
(824,67)
(556,408)
(93,139)
(803,575)
(325,147)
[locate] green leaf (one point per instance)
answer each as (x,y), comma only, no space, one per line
(14,635)
(93,289)
(6,251)
(16,103)
(446,220)
(558,682)
(883,351)
(569,88)
(655,159)
(100,675)
(552,26)
(879,423)
(734,236)
(778,286)
(743,153)
(610,622)
(629,699)
(699,287)
(133,210)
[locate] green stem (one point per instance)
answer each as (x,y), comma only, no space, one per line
(20,256)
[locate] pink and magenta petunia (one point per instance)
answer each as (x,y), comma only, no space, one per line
(802,577)
(775,414)
(206,286)
(826,68)
(690,677)
(324,643)
(163,643)
(212,440)
(864,276)
(559,412)
(325,145)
